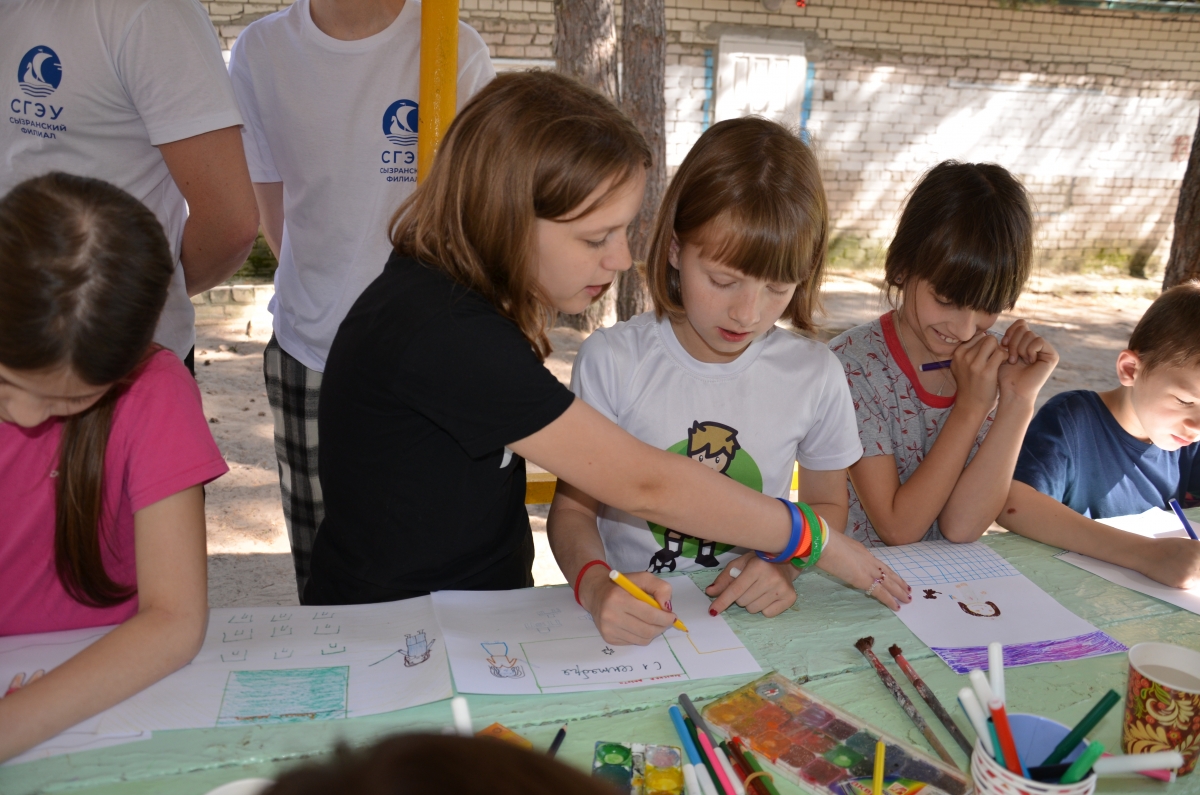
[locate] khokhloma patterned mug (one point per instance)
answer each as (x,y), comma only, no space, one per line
(1162,706)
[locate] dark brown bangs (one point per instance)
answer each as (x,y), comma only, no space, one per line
(967,229)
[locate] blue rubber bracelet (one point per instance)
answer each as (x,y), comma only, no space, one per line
(794,541)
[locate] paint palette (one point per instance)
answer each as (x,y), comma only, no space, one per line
(639,769)
(822,748)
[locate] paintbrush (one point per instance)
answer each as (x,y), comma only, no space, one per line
(864,645)
(931,699)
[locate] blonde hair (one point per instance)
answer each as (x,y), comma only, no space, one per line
(529,145)
(712,439)
(750,194)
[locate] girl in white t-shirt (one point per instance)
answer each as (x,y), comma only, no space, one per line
(739,244)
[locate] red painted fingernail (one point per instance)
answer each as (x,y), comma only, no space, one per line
(667,606)
(712,612)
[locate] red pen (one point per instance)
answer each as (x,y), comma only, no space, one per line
(1004,735)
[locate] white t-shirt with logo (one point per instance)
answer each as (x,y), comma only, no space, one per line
(92,87)
(784,400)
(336,122)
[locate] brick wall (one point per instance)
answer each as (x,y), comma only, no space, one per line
(1093,109)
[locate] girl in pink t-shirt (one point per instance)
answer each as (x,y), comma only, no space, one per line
(103,453)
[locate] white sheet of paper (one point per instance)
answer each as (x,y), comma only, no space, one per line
(538,640)
(263,665)
(966,596)
(1154,523)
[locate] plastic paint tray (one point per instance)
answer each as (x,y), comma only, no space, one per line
(639,769)
(822,748)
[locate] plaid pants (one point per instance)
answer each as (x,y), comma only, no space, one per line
(293,390)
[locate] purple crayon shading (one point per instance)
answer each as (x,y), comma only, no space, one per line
(1095,644)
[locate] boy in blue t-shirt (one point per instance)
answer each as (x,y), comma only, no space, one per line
(1090,455)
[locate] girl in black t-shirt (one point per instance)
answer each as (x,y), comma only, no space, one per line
(435,393)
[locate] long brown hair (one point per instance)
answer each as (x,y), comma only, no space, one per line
(753,190)
(967,229)
(84,271)
(529,145)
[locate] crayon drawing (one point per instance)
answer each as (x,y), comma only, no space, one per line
(284,696)
(500,665)
(972,597)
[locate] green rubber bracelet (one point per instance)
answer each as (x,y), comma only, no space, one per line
(818,538)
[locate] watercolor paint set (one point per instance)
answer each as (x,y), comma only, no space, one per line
(639,769)
(820,747)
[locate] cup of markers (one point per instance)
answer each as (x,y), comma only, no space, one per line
(1030,755)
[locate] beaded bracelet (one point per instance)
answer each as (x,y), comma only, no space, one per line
(820,536)
(799,528)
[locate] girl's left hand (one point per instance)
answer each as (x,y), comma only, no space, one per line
(756,585)
(851,562)
(1031,360)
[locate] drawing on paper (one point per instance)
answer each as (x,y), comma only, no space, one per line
(548,621)
(500,665)
(284,696)
(973,581)
(417,650)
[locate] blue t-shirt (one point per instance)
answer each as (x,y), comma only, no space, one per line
(1076,452)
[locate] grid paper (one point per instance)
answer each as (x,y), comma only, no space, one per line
(941,562)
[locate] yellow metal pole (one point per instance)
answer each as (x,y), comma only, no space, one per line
(439,78)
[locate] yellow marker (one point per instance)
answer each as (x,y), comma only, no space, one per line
(637,593)
(877,782)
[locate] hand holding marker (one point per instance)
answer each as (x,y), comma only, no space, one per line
(1178,509)
(637,593)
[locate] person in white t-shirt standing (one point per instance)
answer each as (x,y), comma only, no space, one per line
(134,93)
(329,90)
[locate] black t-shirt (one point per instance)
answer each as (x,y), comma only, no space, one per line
(424,386)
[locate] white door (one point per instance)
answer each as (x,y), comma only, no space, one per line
(757,77)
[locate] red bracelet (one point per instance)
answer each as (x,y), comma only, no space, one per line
(579,576)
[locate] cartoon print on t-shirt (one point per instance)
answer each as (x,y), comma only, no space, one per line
(716,446)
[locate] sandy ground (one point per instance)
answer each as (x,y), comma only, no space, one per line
(1088,318)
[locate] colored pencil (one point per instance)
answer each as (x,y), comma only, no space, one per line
(741,768)
(711,753)
(752,760)
(1081,729)
(942,365)
(1080,767)
(685,739)
(1183,520)
(705,765)
(910,709)
(931,699)
(739,787)
(996,670)
(877,779)
(970,705)
(694,714)
(691,784)
(999,756)
(1004,732)
(627,585)
(558,740)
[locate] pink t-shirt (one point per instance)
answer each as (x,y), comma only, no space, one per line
(159,445)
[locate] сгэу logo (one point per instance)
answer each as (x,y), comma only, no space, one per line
(40,72)
(400,122)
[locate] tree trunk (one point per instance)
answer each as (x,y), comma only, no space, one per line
(644,62)
(585,47)
(1184,262)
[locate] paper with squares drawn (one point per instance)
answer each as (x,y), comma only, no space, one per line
(538,640)
(966,596)
(269,665)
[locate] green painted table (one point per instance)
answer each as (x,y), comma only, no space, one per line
(812,643)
